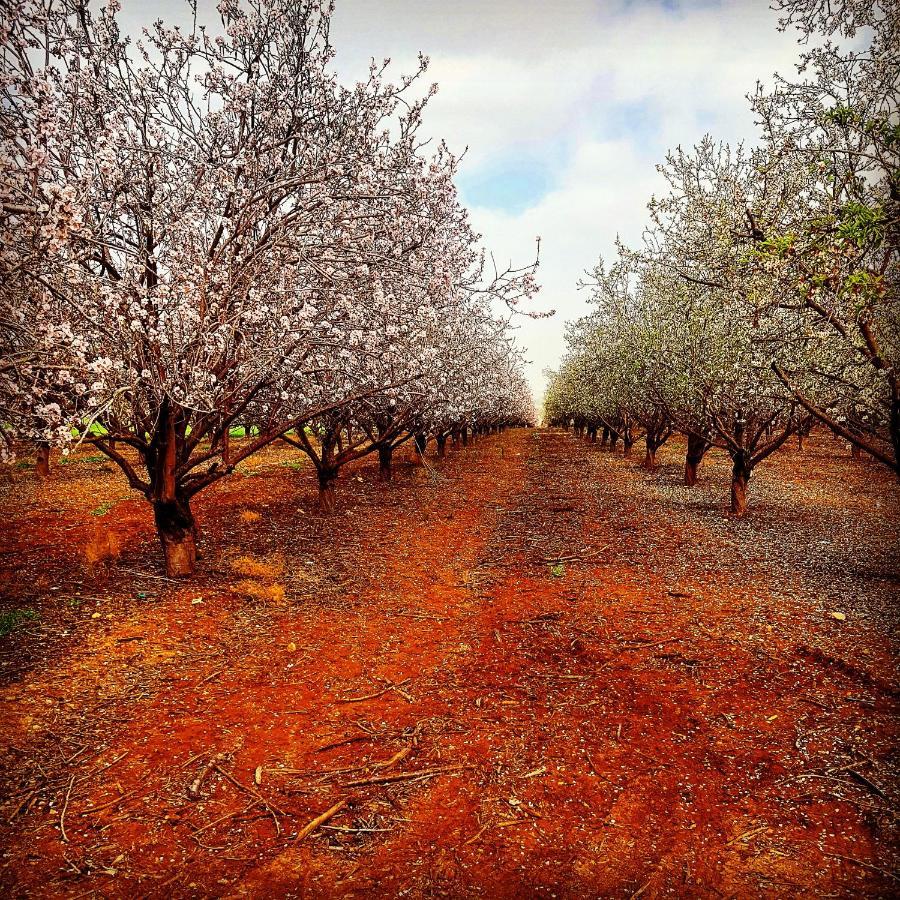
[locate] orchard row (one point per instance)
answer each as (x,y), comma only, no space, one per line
(205,229)
(765,296)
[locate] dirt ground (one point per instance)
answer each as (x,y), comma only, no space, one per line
(529,670)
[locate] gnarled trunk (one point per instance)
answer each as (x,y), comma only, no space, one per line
(327,478)
(178,535)
(650,457)
(385,456)
(604,440)
(741,471)
(696,450)
(627,444)
(42,460)
(421,443)
(464,434)
(442,445)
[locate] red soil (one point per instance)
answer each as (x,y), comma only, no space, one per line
(586,680)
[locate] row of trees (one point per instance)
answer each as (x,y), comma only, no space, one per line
(204,229)
(764,298)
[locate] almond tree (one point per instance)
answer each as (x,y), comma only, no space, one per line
(188,213)
(836,257)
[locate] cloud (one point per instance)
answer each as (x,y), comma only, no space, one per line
(566,109)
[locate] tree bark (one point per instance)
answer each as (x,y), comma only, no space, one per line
(421,443)
(385,469)
(650,457)
(696,450)
(327,501)
(604,441)
(627,444)
(442,445)
(464,435)
(740,478)
(42,460)
(178,535)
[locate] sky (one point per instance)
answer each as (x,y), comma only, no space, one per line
(564,109)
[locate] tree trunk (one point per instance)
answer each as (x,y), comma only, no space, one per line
(604,441)
(421,441)
(442,445)
(178,534)
(740,478)
(327,501)
(855,451)
(650,457)
(42,460)
(385,454)
(464,434)
(613,440)
(627,444)
(696,450)
(455,439)
(592,435)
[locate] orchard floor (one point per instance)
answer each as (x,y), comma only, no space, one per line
(531,670)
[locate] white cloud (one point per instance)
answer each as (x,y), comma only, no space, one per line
(599,90)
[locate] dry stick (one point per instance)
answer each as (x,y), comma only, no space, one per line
(109,765)
(397,757)
(230,815)
(352,740)
(113,802)
(194,787)
(28,798)
(748,834)
(254,793)
(319,820)
(62,814)
(390,687)
(477,835)
(406,776)
(865,865)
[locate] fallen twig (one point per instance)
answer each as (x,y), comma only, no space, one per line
(253,793)
(310,827)
(405,776)
(865,865)
(113,802)
(62,812)
(193,790)
(390,687)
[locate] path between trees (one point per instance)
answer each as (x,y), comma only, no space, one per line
(528,670)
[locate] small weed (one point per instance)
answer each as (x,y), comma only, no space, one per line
(292,464)
(104,508)
(557,570)
(13,618)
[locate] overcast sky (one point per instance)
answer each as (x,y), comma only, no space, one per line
(566,107)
